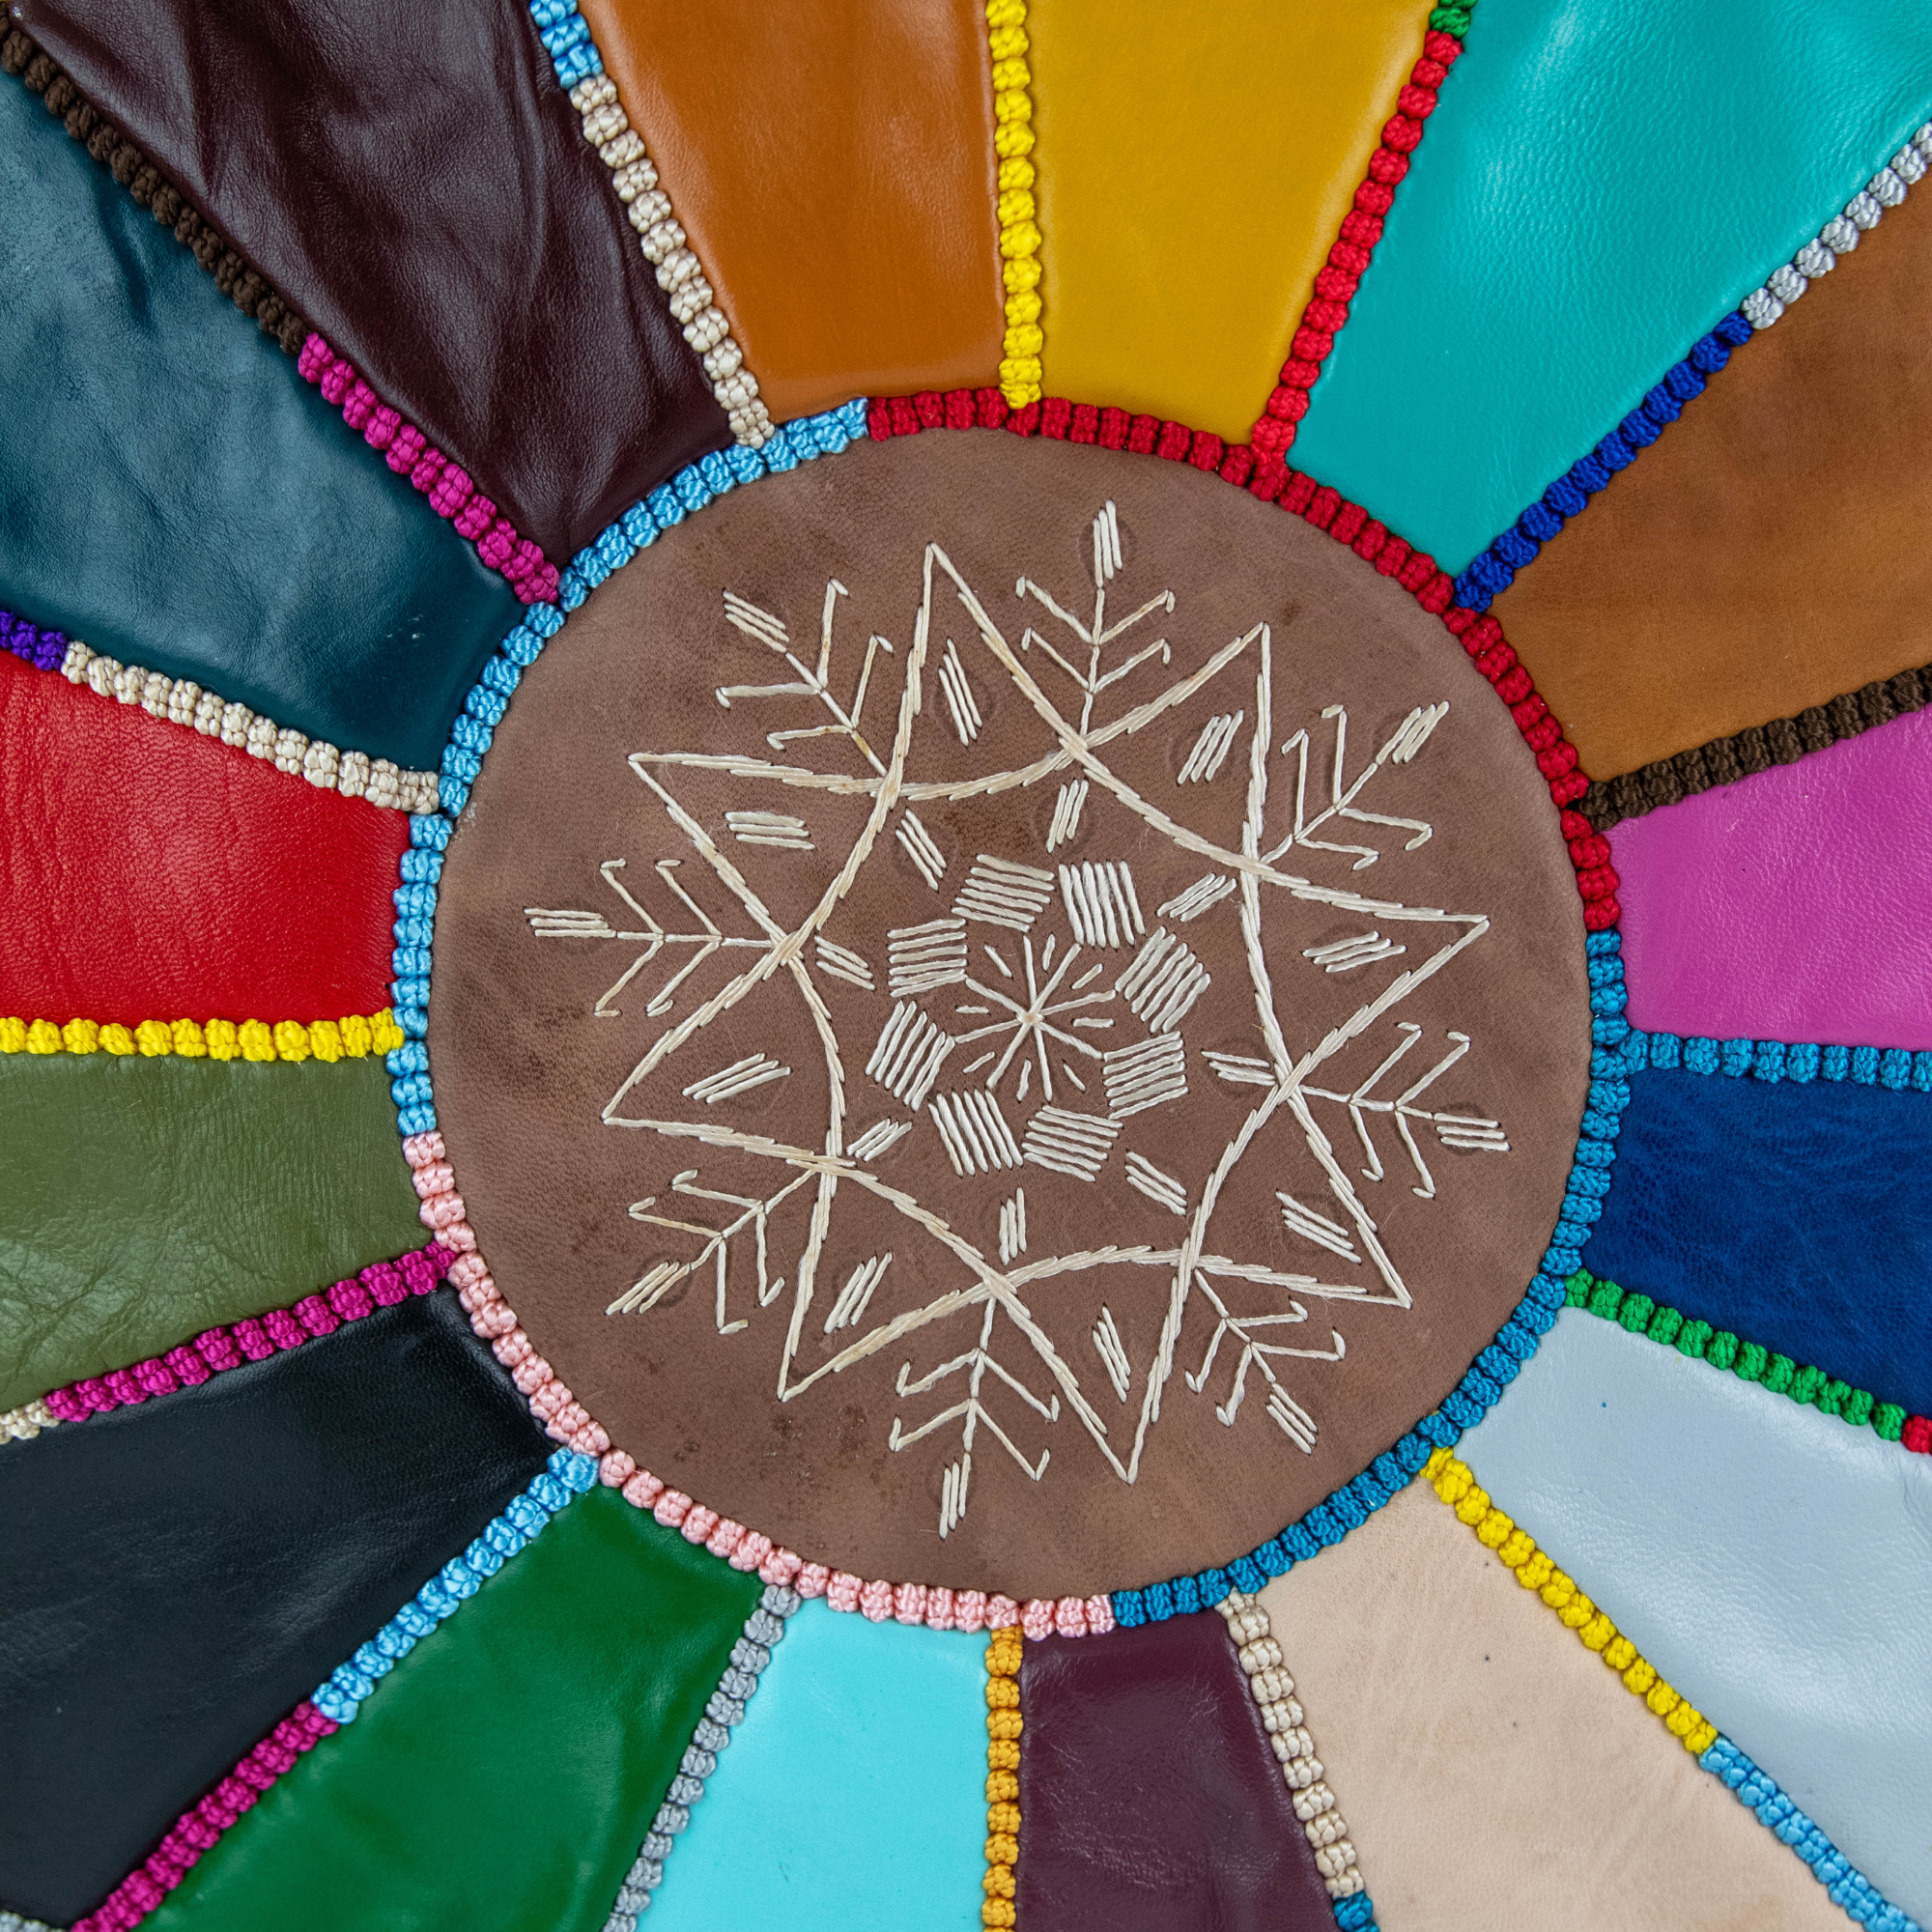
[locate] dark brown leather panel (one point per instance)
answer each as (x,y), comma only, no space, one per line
(414,178)
(1150,1798)
(834,168)
(1773,549)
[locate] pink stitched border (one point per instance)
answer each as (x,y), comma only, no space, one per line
(451,493)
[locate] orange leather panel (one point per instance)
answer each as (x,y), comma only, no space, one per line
(1195,164)
(832,166)
(1773,548)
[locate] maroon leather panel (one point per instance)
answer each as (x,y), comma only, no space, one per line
(1149,1799)
(414,178)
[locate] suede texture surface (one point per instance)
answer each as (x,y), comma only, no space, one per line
(505,1774)
(556,1049)
(183,1574)
(1771,1562)
(415,181)
(834,168)
(1554,1798)
(1150,1798)
(147,1200)
(1790,905)
(1795,1216)
(257,547)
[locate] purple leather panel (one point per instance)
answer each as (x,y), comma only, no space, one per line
(1149,1799)
(1792,906)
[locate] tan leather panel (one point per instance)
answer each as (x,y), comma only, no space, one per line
(1195,164)
(1493,1771)
(1773,548)
(832,166)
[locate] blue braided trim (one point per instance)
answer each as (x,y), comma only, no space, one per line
(1844,1884)
(1494,570)
(566,36)
(568,1476)
(1357,1913)
(689,490)
(1494,1370)
(1772,1060)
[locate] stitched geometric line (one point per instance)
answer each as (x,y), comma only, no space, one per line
(1742,755)
(1020,265)
(1494,571)
(1892,1068)
(353,1038)
(1750,1361)
(1003,1726)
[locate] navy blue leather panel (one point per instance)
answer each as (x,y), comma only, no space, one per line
(175,495)
(1797,1216)
(180,1575)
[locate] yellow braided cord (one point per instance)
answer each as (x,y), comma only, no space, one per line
(1019,231)
(1003,1776)
(1453,1481)
(352,1038)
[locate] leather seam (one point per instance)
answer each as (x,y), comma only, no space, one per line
(1016,211)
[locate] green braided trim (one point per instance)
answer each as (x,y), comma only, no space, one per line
(1452,20)
(1748,1361)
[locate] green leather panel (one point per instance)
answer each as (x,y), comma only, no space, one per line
(503,1774)
(146,1199)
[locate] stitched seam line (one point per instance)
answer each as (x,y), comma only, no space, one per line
(751,1654)
(1016,212)
(1748,1361)
(1003,1726)
(694,303)
(1284,1721)
(1455,1483)
(239,279)
(1771,1061)
(1341,275)
(328,1040)
(1755,748)
(1494,571)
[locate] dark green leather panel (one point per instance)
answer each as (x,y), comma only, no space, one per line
(502,1777)
(173,492)
(147,1200)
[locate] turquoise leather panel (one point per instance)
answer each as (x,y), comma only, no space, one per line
(853,1796)
(1600,183)
(174,494)
(1771,1561)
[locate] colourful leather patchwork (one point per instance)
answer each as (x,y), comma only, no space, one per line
(148,1200)
(502,1774)
(149,874)
(192,1568)
(416,183)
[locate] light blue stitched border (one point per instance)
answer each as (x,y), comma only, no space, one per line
(1772,1060)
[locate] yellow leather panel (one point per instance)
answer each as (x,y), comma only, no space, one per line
(1194,166)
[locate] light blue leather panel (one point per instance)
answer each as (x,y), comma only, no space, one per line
(852,1797)
(1600,183)
(1773,1563)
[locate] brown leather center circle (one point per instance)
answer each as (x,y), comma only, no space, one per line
(1008,1015)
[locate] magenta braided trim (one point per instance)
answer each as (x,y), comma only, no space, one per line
(256,1338)
(566,1420)
(198,1828)
(451,493)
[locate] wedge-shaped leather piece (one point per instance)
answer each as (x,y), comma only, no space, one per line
(149,873)
(1149,1797)
(503,1774)
(1790,905)
(183,1574)
(415,181)
(895,1838)
(256,546)
(1794,1216)
(1761,557)
(1180,242)
(834,168)
(1543,265)
(1771,1563)
(1492,1769)
(147,1200)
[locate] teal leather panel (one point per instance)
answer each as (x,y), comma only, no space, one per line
(174,494)
(1600,183)
(853,1796)
(147,1200)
